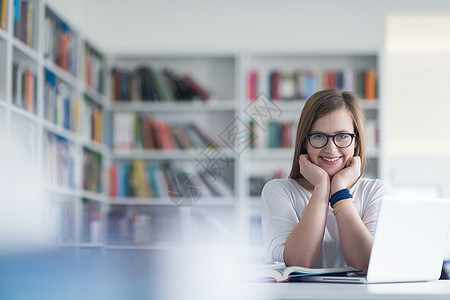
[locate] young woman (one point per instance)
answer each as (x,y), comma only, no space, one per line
(324,215)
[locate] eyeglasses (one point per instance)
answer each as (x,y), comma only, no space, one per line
(320,140)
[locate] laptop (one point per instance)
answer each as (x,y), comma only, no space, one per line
(409,242)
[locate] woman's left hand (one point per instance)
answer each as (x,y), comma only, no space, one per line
(347,176)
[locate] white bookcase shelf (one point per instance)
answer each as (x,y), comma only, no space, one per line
(174,154)
(180,107)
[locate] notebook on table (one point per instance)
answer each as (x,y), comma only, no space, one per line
(409,242)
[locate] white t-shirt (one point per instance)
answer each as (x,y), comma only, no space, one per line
(285,200)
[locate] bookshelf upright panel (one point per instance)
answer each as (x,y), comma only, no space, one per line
(3,68)
(73,130)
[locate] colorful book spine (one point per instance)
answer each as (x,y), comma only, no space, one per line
(92,120)
(371,85)
(151,84)
(24,87)
(143,226)
(61,214)
(93,65)
(59,104)
(61,44)
(91,229)
(4,14)
(141,179)
(140,131)
(253,85)
(277,135)
(301,84)
(92,171)
(24,15)
(59,162)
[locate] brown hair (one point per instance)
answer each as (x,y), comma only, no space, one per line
(321,104)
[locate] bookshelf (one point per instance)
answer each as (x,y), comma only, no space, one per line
(142,120)
(54,112)
(98,127)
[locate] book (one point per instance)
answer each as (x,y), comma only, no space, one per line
(29,38)
(198,89)
(287,86)
(4,8)
(280,273)
(252,85)
(123,125)
(370,84)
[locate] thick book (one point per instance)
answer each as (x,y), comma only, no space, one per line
(283,274)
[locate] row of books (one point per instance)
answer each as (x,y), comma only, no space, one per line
(257,182)
(24,87)
(137,225)
(92,171)
(140,131)
(3,13)
(59,103)
(61,44)
(90,124)
(61,157)
(301,84)
(93,65)
(158,180)
(131,225)
(60,162)
(276,134)
(61,218)
(61,108)
(24,15)
(91,229)
(280,134)
(147,83)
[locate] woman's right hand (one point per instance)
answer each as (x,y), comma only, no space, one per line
(312,172)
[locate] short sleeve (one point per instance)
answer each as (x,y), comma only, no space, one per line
(278,217)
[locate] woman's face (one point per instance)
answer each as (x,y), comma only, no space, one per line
(331,158)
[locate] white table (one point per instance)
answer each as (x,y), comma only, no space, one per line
(308,290)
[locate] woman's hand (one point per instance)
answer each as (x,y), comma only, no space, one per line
(347,176)
(312,172)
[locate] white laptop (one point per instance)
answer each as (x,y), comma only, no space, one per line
(409,242)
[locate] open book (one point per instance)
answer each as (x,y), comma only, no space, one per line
(283,273)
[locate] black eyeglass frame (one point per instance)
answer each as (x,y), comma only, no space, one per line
(332,136)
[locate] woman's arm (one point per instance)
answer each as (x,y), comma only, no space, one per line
(356,240)
(304,244)
(305,241)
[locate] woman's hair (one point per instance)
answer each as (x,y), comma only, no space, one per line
(321,104)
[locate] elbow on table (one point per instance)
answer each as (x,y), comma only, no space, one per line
(295,259)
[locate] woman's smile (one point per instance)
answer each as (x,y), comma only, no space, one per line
(330,160)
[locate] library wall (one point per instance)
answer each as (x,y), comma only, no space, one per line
(234,25)
(417,69)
